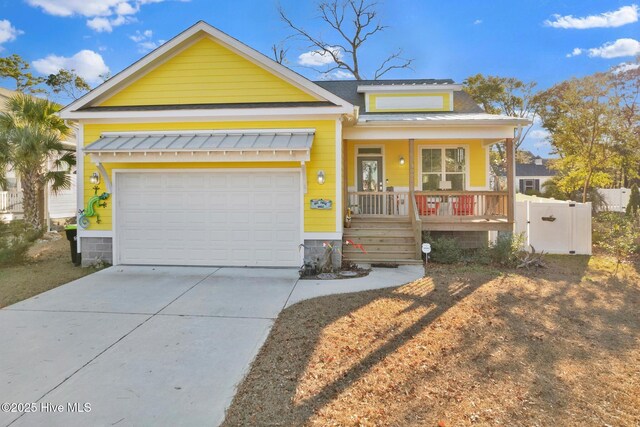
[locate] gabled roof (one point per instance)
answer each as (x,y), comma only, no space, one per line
(174,45)
(531,169)
(348,90)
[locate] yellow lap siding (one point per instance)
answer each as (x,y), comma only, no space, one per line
(322,158)
(207,72)
(398,175)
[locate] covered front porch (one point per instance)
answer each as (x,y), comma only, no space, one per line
(437,184)
(395,189)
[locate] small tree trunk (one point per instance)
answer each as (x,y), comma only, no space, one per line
(587,181)
(30,189)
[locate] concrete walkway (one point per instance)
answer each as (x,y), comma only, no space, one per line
(148,345)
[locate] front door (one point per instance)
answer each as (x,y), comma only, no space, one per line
(370,181)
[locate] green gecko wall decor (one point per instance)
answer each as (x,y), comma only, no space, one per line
(94,202)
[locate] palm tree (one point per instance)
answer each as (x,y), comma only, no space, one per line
(30,136)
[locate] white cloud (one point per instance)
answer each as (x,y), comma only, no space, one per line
(145,41)
(87,64)
(8,32)
(102,15)
(477,22)
(626,66)
(318,58)
(617,49)
(577,51)
(617,18)
(101,25)
(141,36)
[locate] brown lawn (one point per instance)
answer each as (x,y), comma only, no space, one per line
(465,345)
(49,266)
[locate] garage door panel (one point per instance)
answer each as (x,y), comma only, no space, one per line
(208,218)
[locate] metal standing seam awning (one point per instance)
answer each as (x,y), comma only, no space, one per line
(203,146)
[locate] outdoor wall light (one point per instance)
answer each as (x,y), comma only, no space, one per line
(401,160)
(94,178)
(320,177)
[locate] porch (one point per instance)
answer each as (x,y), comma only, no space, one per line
(401,188)
(10,202)
(436,210)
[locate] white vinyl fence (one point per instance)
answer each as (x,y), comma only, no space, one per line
(554,226)
(616,199)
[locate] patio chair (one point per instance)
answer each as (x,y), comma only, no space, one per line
(464,205)
(426,207)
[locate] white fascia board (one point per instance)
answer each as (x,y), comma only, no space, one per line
(210,132)
(428,132)
(200,156)
(408,88)
(229,42)
(448,123)
(218,114)
(204,119)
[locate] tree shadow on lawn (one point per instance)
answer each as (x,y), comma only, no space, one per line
(445,347)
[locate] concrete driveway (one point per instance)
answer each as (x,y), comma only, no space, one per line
(147,345)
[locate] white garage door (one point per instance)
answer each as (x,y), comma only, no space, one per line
(208,218)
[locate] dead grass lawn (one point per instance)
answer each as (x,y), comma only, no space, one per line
(466,345)
(49,266)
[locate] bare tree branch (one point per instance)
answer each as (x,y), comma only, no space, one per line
(353,21)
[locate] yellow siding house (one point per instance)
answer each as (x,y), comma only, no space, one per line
(206,152)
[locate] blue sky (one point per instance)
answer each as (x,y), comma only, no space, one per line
(543,40)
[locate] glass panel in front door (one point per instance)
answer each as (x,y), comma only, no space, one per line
(370,175)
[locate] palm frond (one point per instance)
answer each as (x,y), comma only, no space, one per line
(59,180)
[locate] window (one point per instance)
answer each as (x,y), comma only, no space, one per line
(443,164)
(369,150)
(529,185)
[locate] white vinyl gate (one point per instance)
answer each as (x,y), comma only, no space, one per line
(555,227)
(616,199)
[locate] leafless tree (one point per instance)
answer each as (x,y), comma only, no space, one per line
(353,22)
(279,53)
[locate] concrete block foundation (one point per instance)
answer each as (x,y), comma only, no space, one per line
(314,250)
(96,249)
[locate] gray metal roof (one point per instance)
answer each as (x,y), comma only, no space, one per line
(348,90)
(248,140)
(531,169)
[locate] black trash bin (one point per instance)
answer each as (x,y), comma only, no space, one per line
(72,237)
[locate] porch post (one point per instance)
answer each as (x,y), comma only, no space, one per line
(345,180)
(511,188)
(412,179)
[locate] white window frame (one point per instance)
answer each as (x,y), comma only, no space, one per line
(442,159)
(356,158)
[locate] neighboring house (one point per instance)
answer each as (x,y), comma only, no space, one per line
(214,154)
(59,205)
(531,176)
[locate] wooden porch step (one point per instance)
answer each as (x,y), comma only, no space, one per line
(381,254)
(375,232)
(384,261)
(375,240)
(379,246)
(405,249)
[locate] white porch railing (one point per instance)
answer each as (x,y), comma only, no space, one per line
(385,203)
(432,204)
(10,201)
(472,204)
